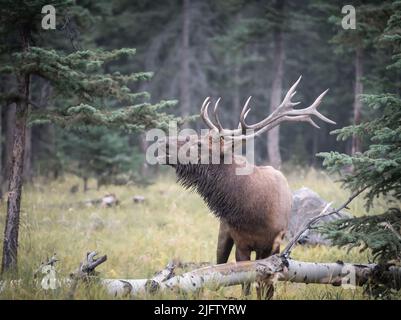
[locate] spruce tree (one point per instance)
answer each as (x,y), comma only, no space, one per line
(377,169)
(99,153)
(84,94)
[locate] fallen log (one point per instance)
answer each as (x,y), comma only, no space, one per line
(276,268)
(273,268)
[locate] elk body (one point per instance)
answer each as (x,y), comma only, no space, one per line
(253,209)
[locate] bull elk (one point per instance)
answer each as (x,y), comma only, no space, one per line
(253,209)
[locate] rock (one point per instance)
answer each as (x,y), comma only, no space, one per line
(138,199)
(306,205)
(109,200)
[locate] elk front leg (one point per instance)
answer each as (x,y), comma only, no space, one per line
(224,243)
(243,255)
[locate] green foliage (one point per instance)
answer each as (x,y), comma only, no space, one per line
(80,80)
(97,152)
(378,168)
(87,88)
(380,233)
(371,19)
(26,14)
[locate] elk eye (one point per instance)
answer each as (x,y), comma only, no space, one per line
(187,138)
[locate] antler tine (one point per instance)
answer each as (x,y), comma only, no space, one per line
(205,116)
(305,118)
(314,106)
(216,115)
(285,104)
(295,85)
(204,104)
(285,112)
(244,113)
(290,94)
(312,109)
(240,126)
(302,118)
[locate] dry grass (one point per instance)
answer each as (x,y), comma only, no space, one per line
(140,239)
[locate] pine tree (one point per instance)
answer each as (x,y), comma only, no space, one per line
(378,169)
(85,95)
(357,43)
(99,153)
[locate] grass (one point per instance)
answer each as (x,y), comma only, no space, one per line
(140,239)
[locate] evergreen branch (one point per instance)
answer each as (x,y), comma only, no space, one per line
(377,232)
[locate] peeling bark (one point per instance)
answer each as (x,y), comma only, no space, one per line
(10,246)
(272,268)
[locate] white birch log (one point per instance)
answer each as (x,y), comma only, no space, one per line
(276,267)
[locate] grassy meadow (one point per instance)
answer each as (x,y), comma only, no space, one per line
(140,239)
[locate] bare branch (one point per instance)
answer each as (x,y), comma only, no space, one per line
(287,250)
(85,271)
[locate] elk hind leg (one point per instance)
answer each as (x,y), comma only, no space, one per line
(243,255)
(265,289)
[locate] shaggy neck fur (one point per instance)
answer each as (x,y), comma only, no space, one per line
(222,190)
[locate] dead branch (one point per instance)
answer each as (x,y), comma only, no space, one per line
(85,271)
(169,271)
(287,250)
(50,262)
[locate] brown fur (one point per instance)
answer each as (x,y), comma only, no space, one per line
(253,209)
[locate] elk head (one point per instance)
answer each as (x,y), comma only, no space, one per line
(220,143)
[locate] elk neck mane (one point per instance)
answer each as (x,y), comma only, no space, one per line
(222,190)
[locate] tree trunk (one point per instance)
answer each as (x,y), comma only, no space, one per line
(237,97)
(10,244)
(47,133)
(1,154)
(273,136)
(184,79)
(315,148)
(85,181)
(8,143)
(27,172)
(356,141)
(143,144)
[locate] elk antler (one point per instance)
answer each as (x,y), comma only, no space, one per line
(284,112)
(217,126)
(205,114)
